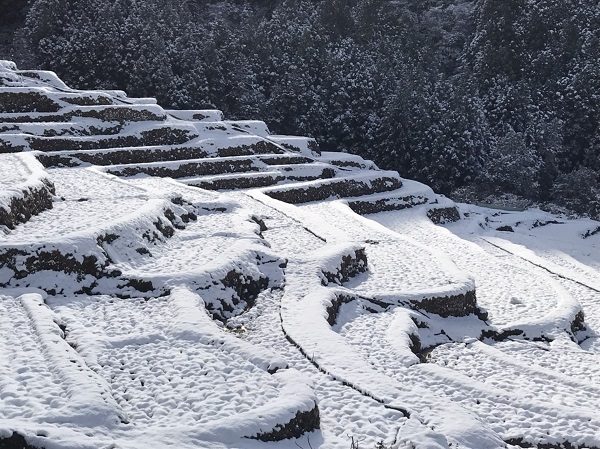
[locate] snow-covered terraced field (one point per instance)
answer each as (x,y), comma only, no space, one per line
(396,264)
(143,312)
(85,200)
(510,292)
(150,371)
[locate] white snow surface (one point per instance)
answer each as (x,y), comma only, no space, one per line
(161,350)
(145,372)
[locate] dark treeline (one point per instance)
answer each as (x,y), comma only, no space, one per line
(475,98)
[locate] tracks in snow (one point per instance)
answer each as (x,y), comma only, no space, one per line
(54,375)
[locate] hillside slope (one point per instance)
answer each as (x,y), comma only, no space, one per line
(173,278)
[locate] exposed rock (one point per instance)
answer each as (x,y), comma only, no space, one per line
(351,266)
(33,201)
(23,263)
(591,232)
(334,309)
(302,423)
(386,204)
(120,114)
(337,188)
(505,229)
(191,168)
(563,445)
(260,147)
(121,156)
(443,215)
(87,100)
(243,182)
(456,305)
(158,136)
(258,180)
(24,101)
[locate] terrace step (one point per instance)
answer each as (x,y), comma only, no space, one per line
(95,211)
(40,77)
(11,77)
(243,145)
(276,174)
(32,342)
(347,160)
(187,358)
(155,134)
(411,194)
(304,145)
(124,155)
(37,99)
(232,127)
(197,115)
(107,113)
(257,127)
(86,198)
(356,184)
(206,166)
(81,120)
(89,127)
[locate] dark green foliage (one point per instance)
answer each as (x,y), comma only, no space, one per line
(578,191)
(12,11)
(144,47)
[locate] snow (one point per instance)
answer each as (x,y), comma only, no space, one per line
(301,144)
(346,159)
(189,378)
(210,319)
